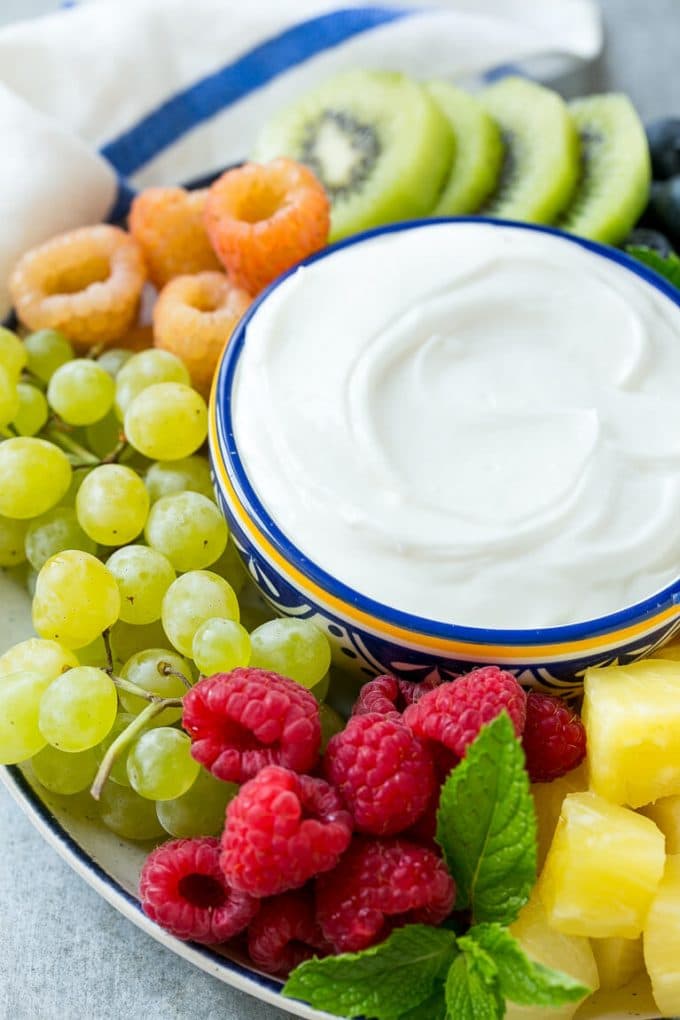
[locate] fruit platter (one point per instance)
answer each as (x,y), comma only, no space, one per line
(339,556)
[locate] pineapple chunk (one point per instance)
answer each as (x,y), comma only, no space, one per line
(662,941)
(666,814)
(548,799)
(543,944)
(632,719)
(603,869)
(618,961)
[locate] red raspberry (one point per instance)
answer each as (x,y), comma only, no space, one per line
(283,829)
(454,713)
(384,773)
(182,887)
(285,933)
(388,695)
(554,738)
(380,885)
(239,722)
(425,829)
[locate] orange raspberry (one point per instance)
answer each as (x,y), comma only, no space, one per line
(86,283)
(264,219)
(194,317)
(168,224)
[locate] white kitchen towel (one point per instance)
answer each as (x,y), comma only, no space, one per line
(106,96)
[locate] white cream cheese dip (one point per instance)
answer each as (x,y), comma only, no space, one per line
(479,425)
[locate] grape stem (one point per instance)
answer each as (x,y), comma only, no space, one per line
(116,453)
(165,669)
(126,737)
(106,638)
(80,457)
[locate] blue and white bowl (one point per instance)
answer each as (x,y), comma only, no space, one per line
(371,638)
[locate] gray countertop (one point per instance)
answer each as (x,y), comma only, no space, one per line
(65,954)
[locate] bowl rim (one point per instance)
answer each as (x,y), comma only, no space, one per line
(223,445)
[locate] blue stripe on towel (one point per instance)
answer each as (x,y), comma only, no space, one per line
(201,101)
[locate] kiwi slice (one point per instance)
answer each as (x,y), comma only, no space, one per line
(616,169)
(377,142)
(478,151)
(541,163)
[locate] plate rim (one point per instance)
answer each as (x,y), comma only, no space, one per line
(227,971)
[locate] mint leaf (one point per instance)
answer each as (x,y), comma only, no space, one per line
(472,993)
(521,980)
(433,1008)
(668,267)
(382,982)
(486,826)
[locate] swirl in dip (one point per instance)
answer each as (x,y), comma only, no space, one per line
(476,424)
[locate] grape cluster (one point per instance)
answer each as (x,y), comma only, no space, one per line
(107,507)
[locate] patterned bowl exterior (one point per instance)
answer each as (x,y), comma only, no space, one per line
(371,638)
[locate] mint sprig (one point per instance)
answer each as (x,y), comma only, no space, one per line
(520,979)
(383,982)
(487,830)
(667,266)
(486,826)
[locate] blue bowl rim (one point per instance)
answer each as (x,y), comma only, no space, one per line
(637,612)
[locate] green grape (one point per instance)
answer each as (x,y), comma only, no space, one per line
(146,369)
(198,812)
(78,709)
(76,599)
(129,815)
(46,658)
(33,410)
(81,392)
(231,567)
(145,669)
(65,773)
(13,354)
(160,765)
(34,475)
(189,474)
(167,421)
(220,646)
(21,694)
(104,436)
(12,539)
(9,398)
(187,528)
(52,533)
(294,648)
(118,773)
(191,600)
(47,350)
(331,723)
(112,504)
(143,576)
(113,360)
(320,690)
(129,638)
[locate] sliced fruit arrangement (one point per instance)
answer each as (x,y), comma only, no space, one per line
(516,150)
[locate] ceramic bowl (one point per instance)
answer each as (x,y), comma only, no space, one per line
(371,638)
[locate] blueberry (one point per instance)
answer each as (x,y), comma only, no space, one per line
(664,146)
(665,204)
(642,237)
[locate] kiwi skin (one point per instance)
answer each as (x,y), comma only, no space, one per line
(542,157)
(478,154)
(616,169)
(406,167)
